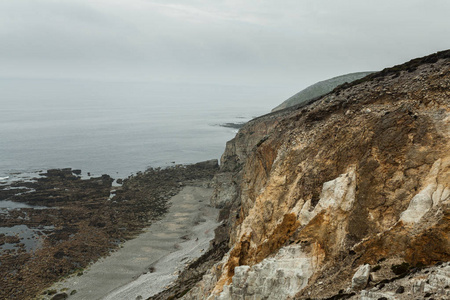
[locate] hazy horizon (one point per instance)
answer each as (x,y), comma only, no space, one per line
(118,128)
(289,44)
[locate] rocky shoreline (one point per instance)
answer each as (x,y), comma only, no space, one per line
(81,220)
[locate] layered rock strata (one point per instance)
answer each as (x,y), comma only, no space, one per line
(360,177)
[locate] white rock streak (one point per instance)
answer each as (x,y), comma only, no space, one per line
(336,194)
(278,277)
(433,194)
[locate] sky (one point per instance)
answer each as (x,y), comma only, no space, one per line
(292,43)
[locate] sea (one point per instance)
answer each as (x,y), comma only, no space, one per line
(119,128)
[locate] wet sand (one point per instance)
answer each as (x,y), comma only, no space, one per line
(148,263)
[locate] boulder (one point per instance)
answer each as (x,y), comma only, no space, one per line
(361,277)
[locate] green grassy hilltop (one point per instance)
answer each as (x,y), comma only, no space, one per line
(320,88)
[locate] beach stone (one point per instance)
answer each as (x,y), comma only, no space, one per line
(361,277)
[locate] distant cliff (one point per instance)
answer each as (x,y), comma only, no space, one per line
(319,89)
(344,198)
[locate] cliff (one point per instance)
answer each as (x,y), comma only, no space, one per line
(344,197)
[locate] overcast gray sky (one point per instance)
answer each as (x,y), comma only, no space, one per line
(251,42)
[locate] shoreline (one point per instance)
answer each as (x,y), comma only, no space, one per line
(145,265)
(81,223)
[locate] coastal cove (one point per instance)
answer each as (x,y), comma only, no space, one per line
(149,263)
(224,150)
(79,222)
(59,211)
(344,196)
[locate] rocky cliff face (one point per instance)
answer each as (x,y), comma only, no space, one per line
(342,197)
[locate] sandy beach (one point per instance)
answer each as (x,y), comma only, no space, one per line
(147,264)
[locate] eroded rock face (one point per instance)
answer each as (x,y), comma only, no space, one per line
(359,176)
(432,195)
(433,282)
(225,191)
(277,277)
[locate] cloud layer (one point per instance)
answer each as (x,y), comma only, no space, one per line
(233,42)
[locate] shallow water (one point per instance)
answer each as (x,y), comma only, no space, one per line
(6,204)
(31,238)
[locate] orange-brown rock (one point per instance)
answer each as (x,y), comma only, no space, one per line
(363,174)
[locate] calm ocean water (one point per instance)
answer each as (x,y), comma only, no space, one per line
(119,128)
